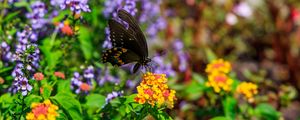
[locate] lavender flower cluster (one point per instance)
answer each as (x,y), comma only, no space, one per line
(6,54)
(37,15)
(107,77)
(27,61)
(150,14)
(112,95)
(78,81)
(162,66)
(112,6)
(76,6)
(182,56)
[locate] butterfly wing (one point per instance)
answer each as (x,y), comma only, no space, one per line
(135,29)
(119,56)
(121,37)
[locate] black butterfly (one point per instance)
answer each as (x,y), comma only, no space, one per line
(129,44)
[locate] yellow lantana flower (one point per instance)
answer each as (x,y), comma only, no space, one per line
(154,90)
(248,90)
(218,66)
(43,111)
(219,81)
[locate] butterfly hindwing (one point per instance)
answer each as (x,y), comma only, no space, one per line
(119,56)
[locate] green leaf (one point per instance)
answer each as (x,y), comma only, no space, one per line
(52,57)
(220,118)
(130,98)
(210,55)
(32,98)
(10,16)
(229,105)
(194,90)
(47,91)
(63,85)
(95,100)
(266,112)
(85,42)
(70,105)
(199,78)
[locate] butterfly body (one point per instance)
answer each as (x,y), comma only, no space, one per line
(129,44)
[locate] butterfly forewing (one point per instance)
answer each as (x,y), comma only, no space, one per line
(121,37)
(129,44)
(133,26)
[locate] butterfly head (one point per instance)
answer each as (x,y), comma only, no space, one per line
(146,61)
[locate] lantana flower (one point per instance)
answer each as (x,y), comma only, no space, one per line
(219,81)
(154,90)
(38,76)
(248,90)
(218,66)
(60,75)
(43,111)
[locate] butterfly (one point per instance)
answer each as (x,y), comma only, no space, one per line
(128,43)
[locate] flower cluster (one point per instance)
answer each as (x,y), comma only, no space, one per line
(43,111)
(38,76)
(162,66)
(182,56)
(76,6)
(27,59)
(112,95)
(83,84)
(218,66)
(247,89)
(20,83)
(111,7)
(107,77)
(37,15)
(217,77)
(151,14)
(219,81)
(153,89)
(60,75)
(6,55)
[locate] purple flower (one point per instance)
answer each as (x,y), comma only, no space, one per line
(57,2)
(27,53)
(131,83)
(6,55)
(150,14)
(112,6)
(182,56)
(108,78)
(37,15)
(78,80)
(20,84)
(107,42)
(111,96)
(243,9)
(163,67)
(75,5)
(26,44)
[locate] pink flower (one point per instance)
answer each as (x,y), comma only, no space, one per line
(38,76)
